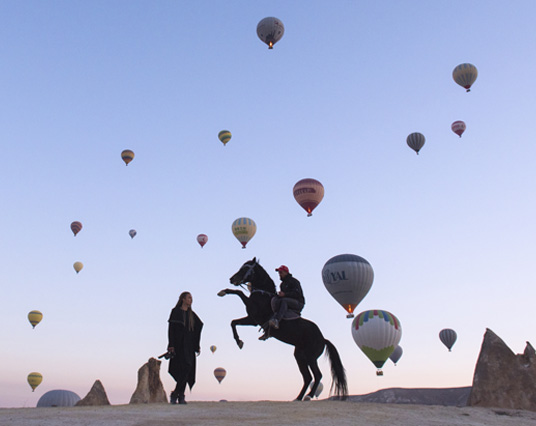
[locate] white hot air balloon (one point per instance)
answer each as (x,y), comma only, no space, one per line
(348,278)
(270,30)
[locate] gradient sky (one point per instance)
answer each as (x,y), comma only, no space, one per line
(450,233)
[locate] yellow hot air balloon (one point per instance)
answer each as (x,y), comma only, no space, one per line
(465,75)
(78,266)
(244,229)
(34,379)
(127,155)
(220,374)
(35,318)
(308,193)
(213,349)
(224,136)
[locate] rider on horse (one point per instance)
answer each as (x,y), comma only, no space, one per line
(290,297)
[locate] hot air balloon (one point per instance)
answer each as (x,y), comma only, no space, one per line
(465,75)
(132,233)
(416,141)
(76,227)
(58,398)
(397,353)
(34,379)
(458,127)
(308,193)
(127,155)
(270,30)
(348,278)
(35,318)
(244,229)
(220,374)
(78,266)
(224,136)
(448,337)
(377,333)
(202,239)
(213,349)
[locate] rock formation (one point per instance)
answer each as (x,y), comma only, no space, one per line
(149,389)
(96,396)
(503,379)
(455,397)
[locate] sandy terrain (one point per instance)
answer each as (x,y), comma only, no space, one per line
(266,413)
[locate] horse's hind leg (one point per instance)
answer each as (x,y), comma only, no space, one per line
(301,359)
(313,365)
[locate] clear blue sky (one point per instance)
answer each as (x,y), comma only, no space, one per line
(450,233)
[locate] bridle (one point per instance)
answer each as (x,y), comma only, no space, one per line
(246,278)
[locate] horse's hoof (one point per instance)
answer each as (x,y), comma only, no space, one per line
(240,344)
(222,293)
(306,398)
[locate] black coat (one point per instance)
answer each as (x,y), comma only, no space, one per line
(292,288)
(186,344)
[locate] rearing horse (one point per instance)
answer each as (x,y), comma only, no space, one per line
(303,334)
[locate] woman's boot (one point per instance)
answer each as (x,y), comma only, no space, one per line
(182,400)
(173,398)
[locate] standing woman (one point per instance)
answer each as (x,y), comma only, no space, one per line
(184,334)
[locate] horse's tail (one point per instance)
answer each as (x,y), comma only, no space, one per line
(338,373)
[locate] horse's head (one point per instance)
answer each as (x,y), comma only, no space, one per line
(252,272)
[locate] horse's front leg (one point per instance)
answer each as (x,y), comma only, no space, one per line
(241,321)
(238,293)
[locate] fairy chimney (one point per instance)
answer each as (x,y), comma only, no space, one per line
(503,379)
(149,389)
(96,396)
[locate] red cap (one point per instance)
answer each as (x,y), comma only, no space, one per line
(282,268)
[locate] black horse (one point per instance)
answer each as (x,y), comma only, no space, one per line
(303,334)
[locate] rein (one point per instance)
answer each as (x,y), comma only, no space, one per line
(253,289)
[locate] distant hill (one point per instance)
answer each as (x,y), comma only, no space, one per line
(454,397)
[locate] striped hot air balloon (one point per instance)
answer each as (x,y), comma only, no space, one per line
(448,336)
(224,136)
(416,141)
(458,127)
(348,278)
(34,380)
(35,317)
(465,75)
(220,374)
(244,229)
(377,333)
(202,239)
(213,348)
(270,30)
(308,193)
(76,227)
(127,155)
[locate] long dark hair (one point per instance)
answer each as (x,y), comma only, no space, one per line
(188,311)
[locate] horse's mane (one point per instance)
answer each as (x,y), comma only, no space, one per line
(268,283)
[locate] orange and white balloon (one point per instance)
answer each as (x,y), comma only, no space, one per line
(308,193)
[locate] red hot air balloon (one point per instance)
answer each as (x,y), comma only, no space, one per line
(202,239)
(308,193)
(458,127)
(76,227)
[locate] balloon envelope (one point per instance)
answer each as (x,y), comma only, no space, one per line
(78,266)
(244,229)
(348,278)
(308,193)
(416,141)
(465,75)
(220,374)
(448,336)
(213,349)
(132,233)
(76,227)
(127,155)
(377,333)
(224,136)
(397,353)
(270,30)
(458,127)
(202,239)
(34,380)
(35,317)
(58,398)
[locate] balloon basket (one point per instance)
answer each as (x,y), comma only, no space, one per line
(350,316)
(379,373)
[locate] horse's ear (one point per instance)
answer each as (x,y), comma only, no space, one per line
(254,259)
